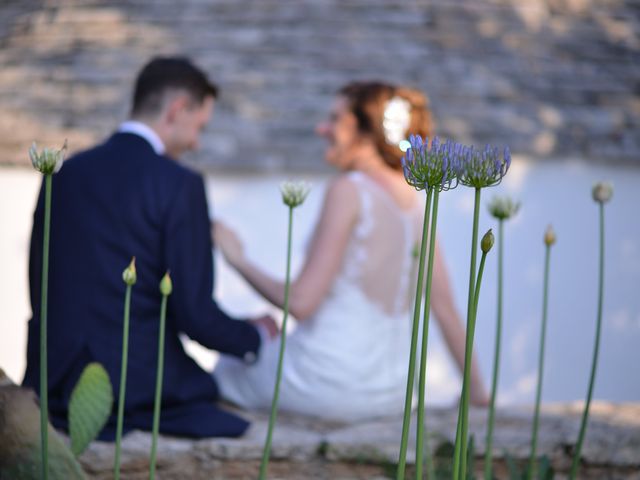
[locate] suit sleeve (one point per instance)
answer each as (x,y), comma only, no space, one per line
(188,252)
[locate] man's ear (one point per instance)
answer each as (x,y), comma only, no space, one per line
(176,104)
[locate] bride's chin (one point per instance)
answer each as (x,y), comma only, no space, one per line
(331,158)
(337,165)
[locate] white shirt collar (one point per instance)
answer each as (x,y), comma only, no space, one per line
(144,131)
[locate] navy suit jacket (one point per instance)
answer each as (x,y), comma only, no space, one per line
(115,201)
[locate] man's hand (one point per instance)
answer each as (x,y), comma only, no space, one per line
(267,324)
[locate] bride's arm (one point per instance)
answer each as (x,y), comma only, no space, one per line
(323,261)
(452,328)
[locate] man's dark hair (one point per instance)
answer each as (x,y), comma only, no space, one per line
(166,73)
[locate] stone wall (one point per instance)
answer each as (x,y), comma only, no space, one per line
(551,78)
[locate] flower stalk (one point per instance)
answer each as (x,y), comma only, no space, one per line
(420,436)
(602,193)
(488,456)
(502,209)
(459,453)
(402,459)
(44,385)
(549,240)
(165,289)
(293,195)
(463,418)
(129,277)
(431,167)
(478,169)
(47,161)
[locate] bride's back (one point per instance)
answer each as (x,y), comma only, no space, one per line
(380,254)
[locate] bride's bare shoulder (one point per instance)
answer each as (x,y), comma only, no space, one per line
(344,185)
(342,195)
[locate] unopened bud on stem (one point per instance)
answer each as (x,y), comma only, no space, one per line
(165,285)
(129,275)
(487,241)
(549,236)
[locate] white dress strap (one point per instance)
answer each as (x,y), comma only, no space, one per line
(357,254)
(365,223)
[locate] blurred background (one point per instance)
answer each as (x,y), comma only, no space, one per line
(556,80)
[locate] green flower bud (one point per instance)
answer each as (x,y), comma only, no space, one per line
(165,285)
(129,274)
(48,161)
(549,236)
(602,192)
(487,241)
(503,208)
(294,193)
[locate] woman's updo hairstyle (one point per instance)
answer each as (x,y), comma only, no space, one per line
(389,114)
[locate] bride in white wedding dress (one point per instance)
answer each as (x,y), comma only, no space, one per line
(348,357)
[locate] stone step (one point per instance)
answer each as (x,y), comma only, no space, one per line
(307,448)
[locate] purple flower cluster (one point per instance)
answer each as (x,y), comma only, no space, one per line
(483,168)
(442,165)
(431,166)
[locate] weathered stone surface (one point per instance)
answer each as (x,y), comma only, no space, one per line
(552,78)
(310,448)
(306,448)
(20,441)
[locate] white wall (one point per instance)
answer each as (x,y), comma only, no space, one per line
(550,192)
(18,193)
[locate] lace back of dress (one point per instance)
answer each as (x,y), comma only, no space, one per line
(379,259)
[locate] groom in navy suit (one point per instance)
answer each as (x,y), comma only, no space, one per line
(129,197)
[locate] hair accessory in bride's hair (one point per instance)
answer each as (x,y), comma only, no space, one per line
(396,119)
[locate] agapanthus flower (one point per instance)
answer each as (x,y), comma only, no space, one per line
(503,208)
(483,168)
(48,161)
(432,165)
(602,192)
(294,193)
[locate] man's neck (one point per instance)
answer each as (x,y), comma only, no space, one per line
(146,131)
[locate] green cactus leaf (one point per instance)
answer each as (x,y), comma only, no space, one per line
(90,406)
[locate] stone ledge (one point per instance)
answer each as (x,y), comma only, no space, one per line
(305,448)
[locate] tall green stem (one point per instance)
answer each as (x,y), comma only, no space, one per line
(461,441)
(456,452)
(596,349)
(425,337)
(488,457)
(431,467)
(402,460)
(123,381)
(44,384)
(158,396)
(469,354)
(543,333)
(283,337)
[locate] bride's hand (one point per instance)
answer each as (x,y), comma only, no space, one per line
(228,242)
